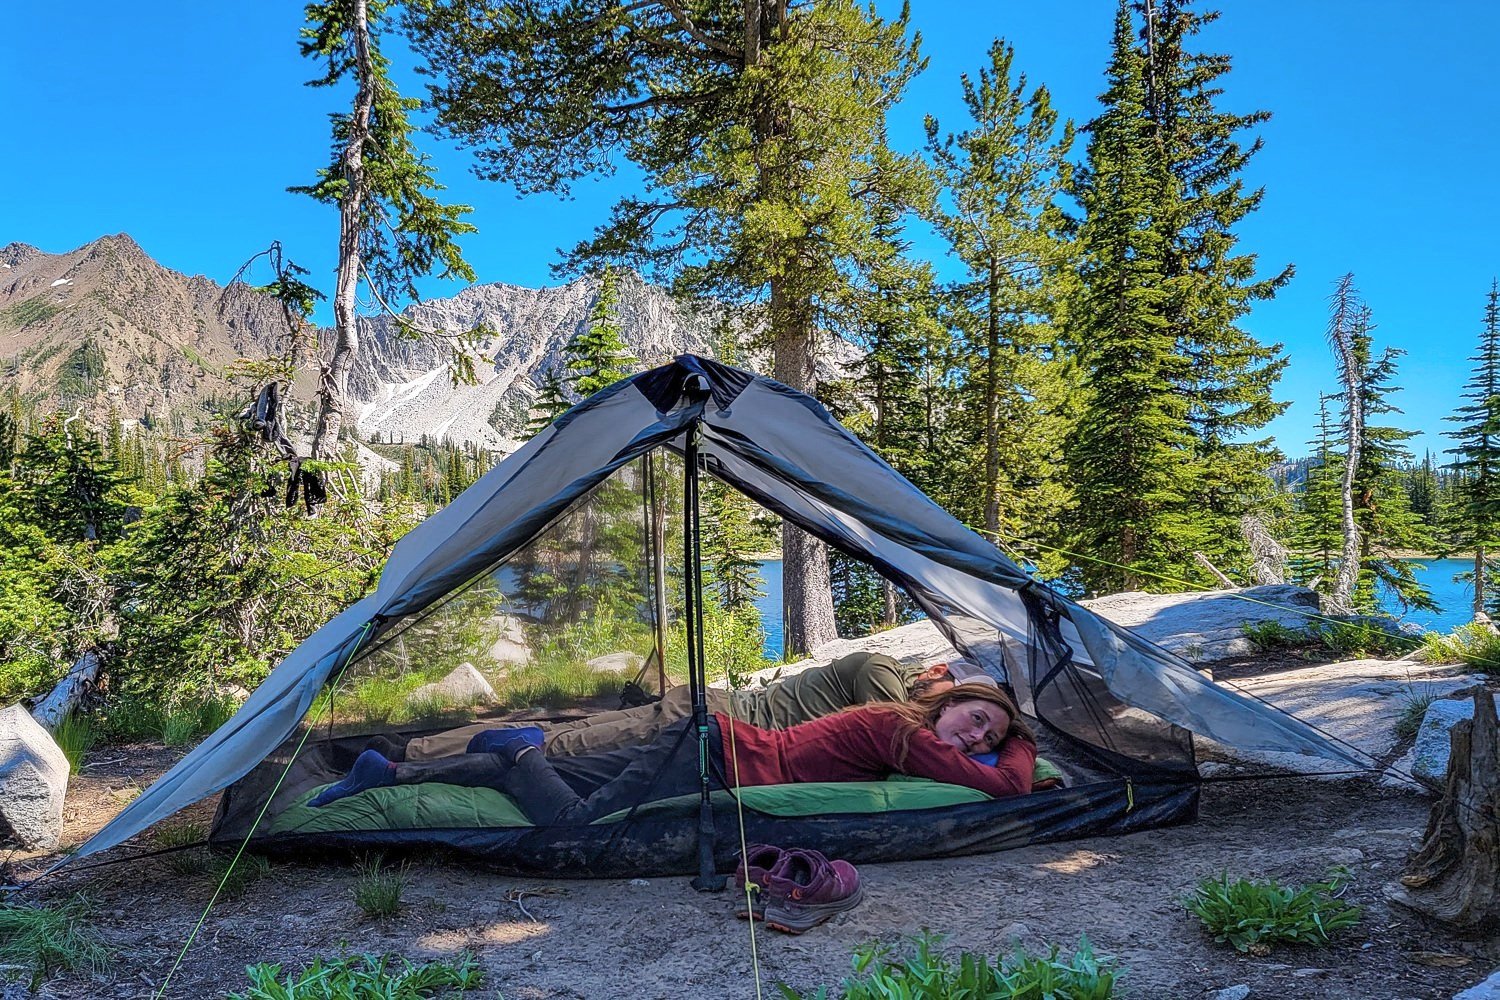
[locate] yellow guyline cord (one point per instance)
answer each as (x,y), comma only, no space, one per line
(739,811)
(328,705)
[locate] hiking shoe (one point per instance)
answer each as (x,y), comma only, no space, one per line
(508,743)
(808,889)
(370,770)
(758,861)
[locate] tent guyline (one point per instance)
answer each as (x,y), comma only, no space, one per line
(529,544)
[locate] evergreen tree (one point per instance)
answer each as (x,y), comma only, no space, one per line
(1208,285)
(392,230)
(1127,453)
(598,355)
(1477,455)
(551,402)
(1316,522)
(759,129)
(1001,178)
(729,542)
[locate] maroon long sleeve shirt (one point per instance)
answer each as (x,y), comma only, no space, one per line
(860,746)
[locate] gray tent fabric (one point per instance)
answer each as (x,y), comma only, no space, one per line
(782,449)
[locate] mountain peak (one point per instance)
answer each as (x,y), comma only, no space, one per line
(16,254)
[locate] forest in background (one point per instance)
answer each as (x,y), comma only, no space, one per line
(1085,395)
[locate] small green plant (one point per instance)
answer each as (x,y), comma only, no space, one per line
(1253,915)
(237,876)
(922,972)
(187,720)
(1360,639)
(37,941)
(378,890)
(75,737)
(363,976)
(1414,705)
(184,860)
(1268,635)
(1474,644)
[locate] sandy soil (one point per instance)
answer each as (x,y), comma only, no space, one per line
(660,939)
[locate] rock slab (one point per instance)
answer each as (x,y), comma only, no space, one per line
(1208,625)
(617,663)
(1434,742)
(464,685)
(33,782)
(1487,990)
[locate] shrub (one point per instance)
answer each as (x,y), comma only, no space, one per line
(922,971)
(386,977)
(75,737)
(1360,639)
(1253,915)
(40,940)
(1271,635)
(1473,644)
(378,891)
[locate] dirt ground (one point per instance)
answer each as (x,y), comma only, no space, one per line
(660,939)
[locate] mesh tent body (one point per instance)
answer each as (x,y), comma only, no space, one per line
(1094,684)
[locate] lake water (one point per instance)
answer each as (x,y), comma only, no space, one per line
(1455,599)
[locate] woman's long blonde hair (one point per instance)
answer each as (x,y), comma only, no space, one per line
(922,713)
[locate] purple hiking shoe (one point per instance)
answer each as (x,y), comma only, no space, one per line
(370,770)
(808,889)
(759,861)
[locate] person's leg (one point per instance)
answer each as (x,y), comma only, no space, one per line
(660,770)
(617,730)
(471,770)
(456,741)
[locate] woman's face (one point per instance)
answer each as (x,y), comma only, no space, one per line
(972,725)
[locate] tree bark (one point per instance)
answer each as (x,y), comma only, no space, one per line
(333,380)
(1455,874)
(1479,581)
(1341,333)
(992,403)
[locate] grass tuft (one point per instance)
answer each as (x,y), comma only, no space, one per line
(387,977)
(378,891)
(188,861)
(247,871)
(1474,644)
(75,737)
(1268,635)
(922,971)
(40,940)
(1414,705)
(1360,639)
(1253,915)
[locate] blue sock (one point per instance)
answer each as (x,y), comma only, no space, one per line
(507,742)
(370,770)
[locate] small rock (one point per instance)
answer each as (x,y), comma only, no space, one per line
(1309,973)
(462,686)
(1238,992)
(639,881)
(1014,931)
(1343,855)
(617,663)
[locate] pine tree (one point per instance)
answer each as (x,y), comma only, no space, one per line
(1477,455)
(1316,527)
(598,355)
(551,402)
(392,230)
(1002,177)
(1128,452)
(1208,284)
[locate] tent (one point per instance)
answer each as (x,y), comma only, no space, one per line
(1119,709)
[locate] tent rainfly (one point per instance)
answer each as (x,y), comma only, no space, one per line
(1100,694)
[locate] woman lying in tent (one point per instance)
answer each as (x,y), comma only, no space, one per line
(856,679)
(938,737)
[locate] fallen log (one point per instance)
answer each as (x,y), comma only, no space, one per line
(1455,875)
(75,685)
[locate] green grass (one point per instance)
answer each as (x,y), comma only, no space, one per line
(1358,639)
(1253,915)
(37,941)
(1473,644)
(188,861)
(363,977)
(37,309)
(1414,705)
(378,890)
(177,724)
(75,737)
(247,871)
(1272,635)
(922,972)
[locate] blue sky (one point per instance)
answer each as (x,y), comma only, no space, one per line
(182,123)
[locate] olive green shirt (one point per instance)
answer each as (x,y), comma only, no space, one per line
(856,679)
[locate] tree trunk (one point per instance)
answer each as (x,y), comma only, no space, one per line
(1341,332)
(72,689)
(1455,874)
(992,404)
(807,591)
(1478,580)
(333,380)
